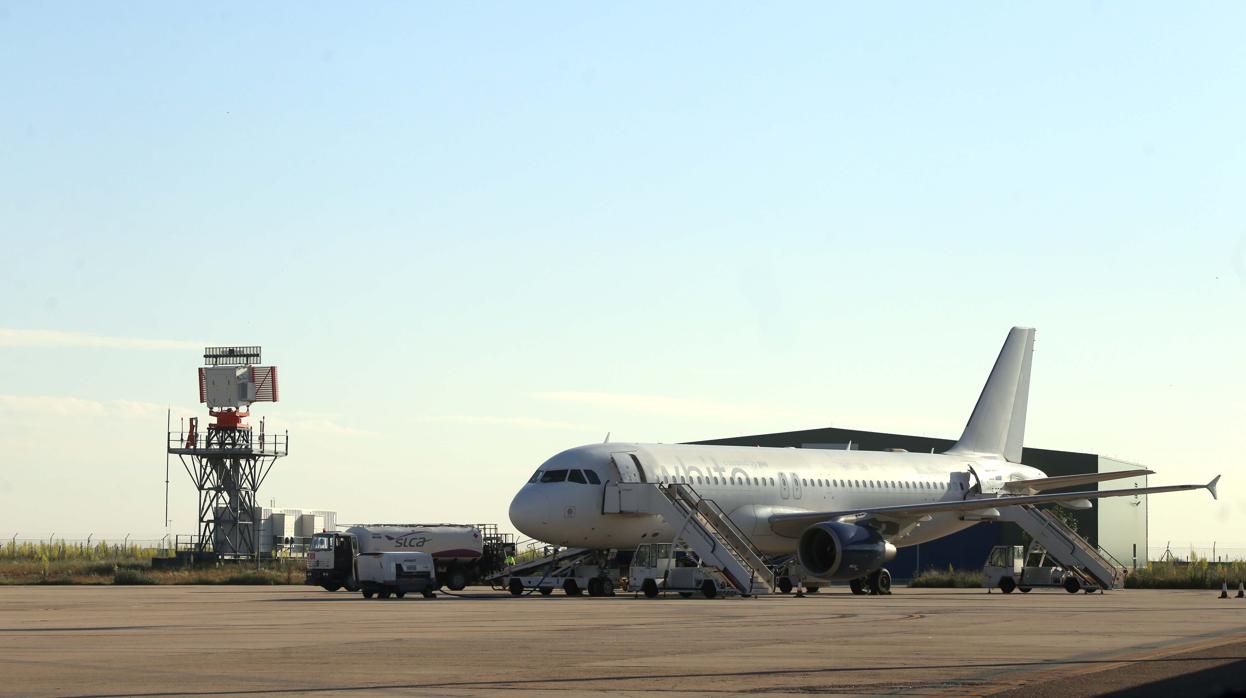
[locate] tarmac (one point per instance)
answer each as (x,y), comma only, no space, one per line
(280,641)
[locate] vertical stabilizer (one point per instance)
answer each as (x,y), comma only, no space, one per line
(997,425)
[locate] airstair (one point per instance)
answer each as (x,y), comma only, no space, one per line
(701,525)
(1063,544)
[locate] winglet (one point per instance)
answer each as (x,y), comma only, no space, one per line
(1211,487)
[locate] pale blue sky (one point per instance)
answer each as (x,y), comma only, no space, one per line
(469,235)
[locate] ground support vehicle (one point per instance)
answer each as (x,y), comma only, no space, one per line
(574,570)
(462,554)
(789,576)
(1007,568)
(383,574)
(663,567)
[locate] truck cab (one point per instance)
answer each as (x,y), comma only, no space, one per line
(330,558)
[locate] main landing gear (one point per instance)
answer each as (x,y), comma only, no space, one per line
(877,583)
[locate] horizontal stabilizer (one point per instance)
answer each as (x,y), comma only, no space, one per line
(1054,483)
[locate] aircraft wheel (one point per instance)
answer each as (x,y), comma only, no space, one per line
(330,587)
(1007,584)
(515,587)
(785,585)
(685,594)
(880,583)
(382,595)
(1025,590)
(594,587)
(812,590)
(708,589)
(570,588)
(650,587)
(546,591)
(1071,585)
(367,594)
(858,587)
(352,588)
(400,594)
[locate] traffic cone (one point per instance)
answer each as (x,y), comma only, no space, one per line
(1241,591)
(1224,589)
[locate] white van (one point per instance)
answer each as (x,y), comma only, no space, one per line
(382,574)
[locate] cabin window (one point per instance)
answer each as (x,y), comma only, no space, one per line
(772,482)
(698,479)
(592,477)
(576,476)
(554,476)
(804,482)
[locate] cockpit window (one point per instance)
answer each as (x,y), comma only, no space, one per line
(553,476)
(535,476)
(576,476)
(592,477)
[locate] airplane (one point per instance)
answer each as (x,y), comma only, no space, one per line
(842,513)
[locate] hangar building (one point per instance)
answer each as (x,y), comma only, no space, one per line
(1118,526)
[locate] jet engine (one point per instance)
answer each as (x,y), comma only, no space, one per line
(841,551)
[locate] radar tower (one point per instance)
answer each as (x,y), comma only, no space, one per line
(229,461)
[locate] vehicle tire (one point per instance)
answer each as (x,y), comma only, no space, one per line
(1071,585)
(330,587)
(400,594)
(570,588)
(596,587)
(650,588)
(880,583)
(367,593)
(1091,590)
(382,594)
(859,587)
(546,591)
(785,585)
(515,587)
(428,594)
(1025,590)
(352,588)
(812,590)
(685,594)
(708,589)
(456,580)
(1007,584)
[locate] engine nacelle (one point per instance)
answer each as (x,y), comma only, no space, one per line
(841,551)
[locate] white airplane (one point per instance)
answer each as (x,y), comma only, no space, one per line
(842,513)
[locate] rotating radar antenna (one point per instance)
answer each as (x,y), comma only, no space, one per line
(229,460)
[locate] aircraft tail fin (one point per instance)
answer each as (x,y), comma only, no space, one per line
(997,425)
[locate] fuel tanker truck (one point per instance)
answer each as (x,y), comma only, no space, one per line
(461,554)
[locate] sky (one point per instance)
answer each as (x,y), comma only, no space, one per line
(474,235)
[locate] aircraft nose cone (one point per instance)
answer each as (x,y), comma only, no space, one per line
(529,512)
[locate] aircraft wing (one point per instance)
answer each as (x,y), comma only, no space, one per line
(792,525)
(1051,483)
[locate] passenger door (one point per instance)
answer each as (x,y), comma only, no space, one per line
(628,467)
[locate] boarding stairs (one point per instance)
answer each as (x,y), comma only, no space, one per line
(1069,549)
(701,525)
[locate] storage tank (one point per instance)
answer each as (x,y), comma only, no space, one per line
(445,542)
